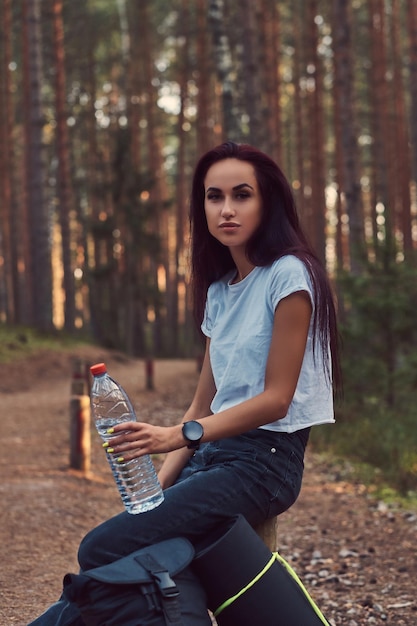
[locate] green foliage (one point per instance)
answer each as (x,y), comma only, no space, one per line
(378,415)
(18,342)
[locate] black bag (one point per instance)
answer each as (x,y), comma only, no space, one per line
(151,587)
(247,584)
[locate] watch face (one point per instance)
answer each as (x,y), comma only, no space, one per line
(193,431)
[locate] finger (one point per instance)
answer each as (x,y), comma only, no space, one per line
(123,427)
(128,431)
(116,445)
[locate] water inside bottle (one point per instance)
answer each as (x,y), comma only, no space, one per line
(132,473)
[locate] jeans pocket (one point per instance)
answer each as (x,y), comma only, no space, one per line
(285,481)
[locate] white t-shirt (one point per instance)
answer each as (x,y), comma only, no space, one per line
(239,320)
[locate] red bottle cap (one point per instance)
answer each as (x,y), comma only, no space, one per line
(99,368)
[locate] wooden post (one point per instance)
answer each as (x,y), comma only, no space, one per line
(268,533)
(80,435)
(80,429)
(149,370)
(79,381)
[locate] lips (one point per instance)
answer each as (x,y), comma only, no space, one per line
(227,225)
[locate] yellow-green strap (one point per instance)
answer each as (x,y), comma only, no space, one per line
(275,557)
(296,578)
(248,586)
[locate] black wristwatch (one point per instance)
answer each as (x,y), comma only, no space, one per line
(192,432)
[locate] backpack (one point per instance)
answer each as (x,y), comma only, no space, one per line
(150,587)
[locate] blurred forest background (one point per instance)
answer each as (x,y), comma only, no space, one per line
(105,107)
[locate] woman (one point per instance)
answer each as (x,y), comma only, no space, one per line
(266,309)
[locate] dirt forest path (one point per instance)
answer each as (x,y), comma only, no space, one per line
(356,556)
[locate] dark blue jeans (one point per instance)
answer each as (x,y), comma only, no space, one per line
(257,474)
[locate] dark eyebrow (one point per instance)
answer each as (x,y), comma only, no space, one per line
(241,186)
(236,188)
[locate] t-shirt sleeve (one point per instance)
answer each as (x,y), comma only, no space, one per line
(207,323)
(289,276)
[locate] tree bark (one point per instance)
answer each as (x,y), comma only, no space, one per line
(300,144)
(254,93)
(347,154)
(64,190)
(9,290)
(204,79)
(316,132)
(411,19)
(39,223)
(270,45)
(402,162)
(224,69)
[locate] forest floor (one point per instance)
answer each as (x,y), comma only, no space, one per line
(356,555)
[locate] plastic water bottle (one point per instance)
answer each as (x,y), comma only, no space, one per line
(136,480)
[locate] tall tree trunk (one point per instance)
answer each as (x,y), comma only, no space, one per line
(124,198)
(381,122)
(402,162)
(94,182)
(178,263)
(340,210)
(9,286)
(29,313)
(316,132)
(300,147)
(204,81)
(411,18)
(137,113)
(65,195)
(155,168)
(39,223)
(224,69)
(270,45)
(348,159)
(252,71)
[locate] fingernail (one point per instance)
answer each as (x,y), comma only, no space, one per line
(110,431)
(105,444)
(120,459)
(110,450)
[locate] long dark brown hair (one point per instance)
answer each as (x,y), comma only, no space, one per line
(278,234)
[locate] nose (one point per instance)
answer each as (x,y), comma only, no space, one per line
(227,208)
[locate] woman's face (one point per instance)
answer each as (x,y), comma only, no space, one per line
(232,202)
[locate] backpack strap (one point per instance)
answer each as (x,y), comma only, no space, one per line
(168,590)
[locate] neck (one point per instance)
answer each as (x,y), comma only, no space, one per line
(243,267)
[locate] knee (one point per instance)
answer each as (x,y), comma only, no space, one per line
(90,552)
(109,541)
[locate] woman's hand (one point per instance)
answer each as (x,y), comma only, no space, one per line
(131,440)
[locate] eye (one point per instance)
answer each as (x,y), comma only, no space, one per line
(242,195)
(213,196)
